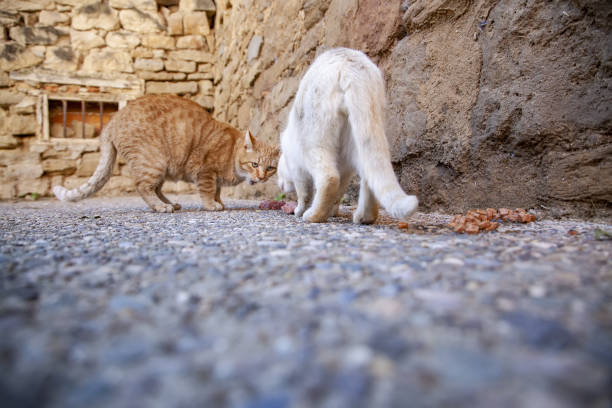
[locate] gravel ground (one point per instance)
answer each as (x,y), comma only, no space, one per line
(105,304)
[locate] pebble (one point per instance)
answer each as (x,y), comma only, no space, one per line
(104,303)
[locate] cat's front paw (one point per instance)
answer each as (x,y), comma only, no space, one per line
(163,208)
(366,219)
(311,216)
(213,206)
(176,206)
(299,210)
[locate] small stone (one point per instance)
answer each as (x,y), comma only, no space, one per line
(190,41)
(195,23)
(537,291)
(141,21)
(289,207)
(175,24)
(52,18)
(148,64)
(254,47)
(172,87)
(180,66)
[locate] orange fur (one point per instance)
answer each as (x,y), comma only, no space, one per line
(165,137)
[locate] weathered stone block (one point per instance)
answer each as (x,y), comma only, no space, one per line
(23,5)
(191,55)
(122,39)
(175,24)
(9,97)
(161,76)
(61,59)
(8,190)
(172,87)
(196,23)
(191,41)
(20,125)
(149,64)
(39,186)
(142,52)
(8,158)
(59,166)
(148,5)
(206,88)
(14,56)
(108,60)
(180,66)
(118,184)
(95,14)
(25,107)
(207,101)
(254,47)
(158,41)
(9,142)
(85,40)
(52,18)
(4,79)
(23,170)
(70,3)
(188,6)
(87,164)
(141,21)
(200,75)
(9,17)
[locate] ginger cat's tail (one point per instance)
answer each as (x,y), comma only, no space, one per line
(364,103)
(97,180)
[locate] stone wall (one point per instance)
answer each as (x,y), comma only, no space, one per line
(497,103)
(490,102)
(117,49)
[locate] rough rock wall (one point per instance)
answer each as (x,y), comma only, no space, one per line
(490,103)
(67,48)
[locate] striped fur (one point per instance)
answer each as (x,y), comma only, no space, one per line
(165,137)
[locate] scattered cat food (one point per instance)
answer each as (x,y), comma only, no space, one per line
(271,205)
(402,225)
(289,207)
(479,220)
(572,232)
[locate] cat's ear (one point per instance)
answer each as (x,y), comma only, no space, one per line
(249,141)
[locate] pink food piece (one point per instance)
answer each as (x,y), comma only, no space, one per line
(289,207)
(271,205)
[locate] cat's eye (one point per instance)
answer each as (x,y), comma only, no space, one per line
(270,168)
(254,165)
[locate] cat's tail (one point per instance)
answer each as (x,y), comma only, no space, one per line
(97,180)
(365,101)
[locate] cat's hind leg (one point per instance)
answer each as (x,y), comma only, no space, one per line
(345,179)
(326,183)
(367,206)
(303,189)
(146,189)
(218,196)
(158,191)
(207,185)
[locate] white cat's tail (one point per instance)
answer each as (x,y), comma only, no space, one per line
(365,101)
(97,180)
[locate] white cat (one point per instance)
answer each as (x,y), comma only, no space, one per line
(336,129)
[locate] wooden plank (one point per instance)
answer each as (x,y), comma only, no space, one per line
(51,77)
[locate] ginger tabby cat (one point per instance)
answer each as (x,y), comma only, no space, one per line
(165,137)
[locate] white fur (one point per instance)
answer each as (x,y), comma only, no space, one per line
(336,129)
(103,172)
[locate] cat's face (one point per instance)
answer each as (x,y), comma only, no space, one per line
(257,161)
(284,176)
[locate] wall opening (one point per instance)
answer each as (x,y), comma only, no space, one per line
(78,119)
